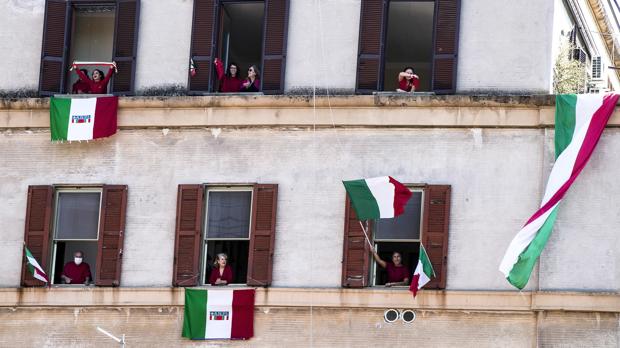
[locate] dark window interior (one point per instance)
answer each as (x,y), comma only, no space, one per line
(237,251)
(64,254)
(409,42)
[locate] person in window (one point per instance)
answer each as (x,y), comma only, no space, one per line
(221,274)
(98,84)
(397,273)
(408,81)
(76,271)
(81,87)
(229,81)
(252,83)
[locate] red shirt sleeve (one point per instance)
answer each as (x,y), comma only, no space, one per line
(219,67)
(82,76)
(108,76)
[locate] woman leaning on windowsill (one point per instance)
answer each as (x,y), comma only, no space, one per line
(221,274)
(398,274)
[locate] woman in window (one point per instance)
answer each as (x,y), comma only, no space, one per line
(229,81)
(252,83)
(408,81)
(81,87)
(397,273)
(99,83)
(221,274)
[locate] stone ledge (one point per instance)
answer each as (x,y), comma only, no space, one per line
(322,297)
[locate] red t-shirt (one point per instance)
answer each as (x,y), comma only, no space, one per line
(77,273)
(100,87)
(228,83)
(227,275)
(396,274)
(406,86)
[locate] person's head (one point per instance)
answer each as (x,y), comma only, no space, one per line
(233,70)
(78,257)
(85,71)
(397,259)
(253,72)
(220,260)
(409,70)
(97,75)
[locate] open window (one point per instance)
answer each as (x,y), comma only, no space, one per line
(103,30)
(395,34)
(64,219)
(246,32)
(238,220)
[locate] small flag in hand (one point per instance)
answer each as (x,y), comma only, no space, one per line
(423,272)
(34,267)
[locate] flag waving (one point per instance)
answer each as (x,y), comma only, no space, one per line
(82,118)
(374,198)
(579,123)
(423,272)
(34,267)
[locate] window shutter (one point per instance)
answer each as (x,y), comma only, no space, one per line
(205,12)
(125,44)
(274,46)
(371,46)
(356,252)
(435,233)
(187,240)
(446,45)
(111,233)
(37,233)
(260,260)
(56,32)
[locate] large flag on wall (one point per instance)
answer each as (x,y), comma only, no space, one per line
(579,123)
(218,314)
(83,118)
(375,198)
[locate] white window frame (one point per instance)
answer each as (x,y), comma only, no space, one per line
(204,239)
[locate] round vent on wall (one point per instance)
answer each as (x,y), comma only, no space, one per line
(391,315)
(408,316)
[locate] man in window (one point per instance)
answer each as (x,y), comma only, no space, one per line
(76,271)
(397,273)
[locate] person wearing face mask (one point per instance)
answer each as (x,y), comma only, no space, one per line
(397,273)
(76,271)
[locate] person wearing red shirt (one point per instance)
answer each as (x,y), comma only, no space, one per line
(397,273)
(81,87)
(76,271)
(221,274)
(99,83)
(229,81)
(408,81)
(252,83)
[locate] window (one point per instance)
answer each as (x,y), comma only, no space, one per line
(396,34)
(84,30)
(425,220)
(247,32)
(61,220)
(238,220)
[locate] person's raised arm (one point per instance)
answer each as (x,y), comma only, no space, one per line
(80,73)
(402,75)
(219,68)
(108,75)
(378,259)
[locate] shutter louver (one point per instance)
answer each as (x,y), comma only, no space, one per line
(56,33)
(125,45)
(371,46)
(445,45)
(205,12)
(435,233)
(37,231)
(111,235)
(262,238)
(356,252)
(274,46)
(186,269)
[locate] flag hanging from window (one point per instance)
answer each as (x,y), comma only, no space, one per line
(218,314)
(382,197)
(423,272)
(579,123)
(34,267)
(83,118)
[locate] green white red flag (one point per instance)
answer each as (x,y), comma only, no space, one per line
(83,118)
(218,314)
(423,272)
(382,197)
(579,123)
(34,267)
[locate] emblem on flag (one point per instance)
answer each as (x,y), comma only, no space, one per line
(80,118)
(218,315)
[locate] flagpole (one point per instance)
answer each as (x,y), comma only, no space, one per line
(365,234)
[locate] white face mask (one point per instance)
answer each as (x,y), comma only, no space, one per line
(77,260)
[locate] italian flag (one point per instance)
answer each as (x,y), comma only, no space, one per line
(579,123)
(375,198)
(34,267)
(82,118)
(218,314)
(423,272)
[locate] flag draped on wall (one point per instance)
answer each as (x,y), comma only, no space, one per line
(34,267)
(375,198)
(218,314)
(579,123)
(83,118)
